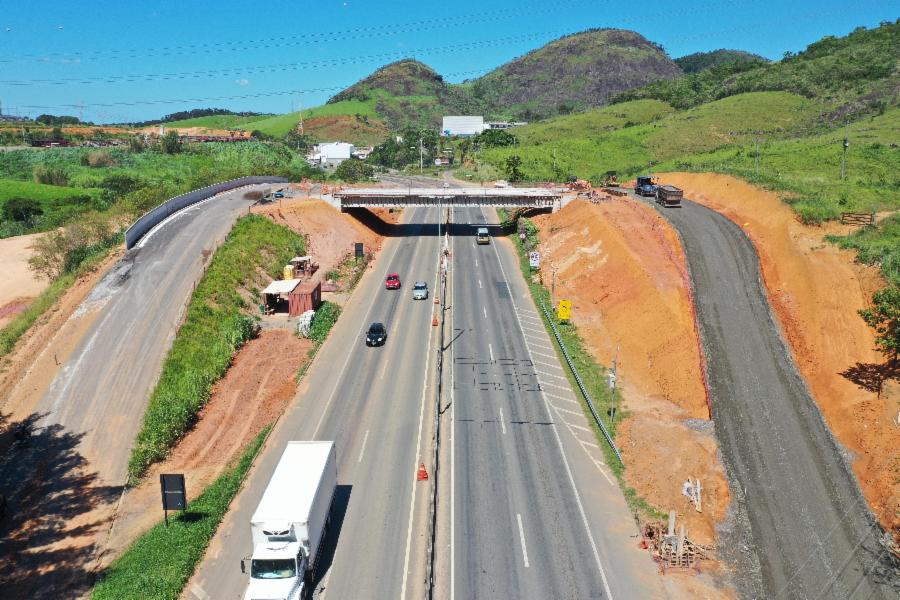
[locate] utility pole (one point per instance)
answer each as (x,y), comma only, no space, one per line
(613,376)
(421,164)
(757,156)
(844,155)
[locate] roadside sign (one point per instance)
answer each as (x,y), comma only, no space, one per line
(174,493)
(564,310)
(534,259)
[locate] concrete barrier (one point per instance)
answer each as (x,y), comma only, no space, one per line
(152,218)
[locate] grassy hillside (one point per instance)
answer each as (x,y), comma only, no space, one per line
(577,71)
(698,61)
(854,74)
(219,122)
(404,94)
(628,137)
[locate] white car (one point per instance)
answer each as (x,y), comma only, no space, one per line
(420,290)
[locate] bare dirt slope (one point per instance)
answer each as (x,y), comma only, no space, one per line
(815,290)
(20,285)
(623,268)
(253,394)
(330,234)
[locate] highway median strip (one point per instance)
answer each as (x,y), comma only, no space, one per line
(160,562)
(218,322)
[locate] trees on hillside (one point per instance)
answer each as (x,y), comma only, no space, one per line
(884,317)
(514,168)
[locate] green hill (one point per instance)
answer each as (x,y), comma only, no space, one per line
(698,61)
(405,94)
(574,72)
(855,74)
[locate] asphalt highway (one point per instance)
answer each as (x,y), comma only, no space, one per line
(106,383)
(535,512)
(372,402)
(811,532)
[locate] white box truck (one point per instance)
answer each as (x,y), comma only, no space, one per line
(290,523)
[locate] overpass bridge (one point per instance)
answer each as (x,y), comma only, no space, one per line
(456,197)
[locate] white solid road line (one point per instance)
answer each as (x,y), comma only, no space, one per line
(522,539)
(562,453)
(452,448)
(412,501)
(363,449)
(502,422)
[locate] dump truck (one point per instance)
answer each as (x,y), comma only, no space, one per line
(644,186)
(291,521)
(669,195)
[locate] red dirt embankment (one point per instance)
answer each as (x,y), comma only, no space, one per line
(254,392)
(815,289)
(330,234)
(623,268)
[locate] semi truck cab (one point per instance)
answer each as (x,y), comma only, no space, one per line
(277,570)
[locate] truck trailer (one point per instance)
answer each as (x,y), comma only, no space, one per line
(669,195)
(291,522)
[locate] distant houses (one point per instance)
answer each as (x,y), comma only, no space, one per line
(468,126)
(328,155)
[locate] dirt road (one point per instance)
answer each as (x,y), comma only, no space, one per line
(806,527)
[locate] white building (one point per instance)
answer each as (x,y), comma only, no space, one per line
(330,154)
(462,126)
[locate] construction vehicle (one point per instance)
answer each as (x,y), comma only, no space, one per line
(573,183)
(669,196)
(291,522)
(611,178)
(644,186)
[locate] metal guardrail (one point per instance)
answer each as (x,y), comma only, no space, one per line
(585,393)
(436,453)
(154,217)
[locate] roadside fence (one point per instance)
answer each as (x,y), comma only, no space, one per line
(584,391)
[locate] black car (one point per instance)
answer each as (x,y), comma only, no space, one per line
(376,335)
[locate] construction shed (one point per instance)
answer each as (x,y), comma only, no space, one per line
(291,296)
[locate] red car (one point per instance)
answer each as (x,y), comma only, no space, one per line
(392,282)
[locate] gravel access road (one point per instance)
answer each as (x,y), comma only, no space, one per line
(808,531)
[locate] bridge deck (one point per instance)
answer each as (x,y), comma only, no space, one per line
(400,197)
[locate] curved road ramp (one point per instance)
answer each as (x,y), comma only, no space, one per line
(803,527)
(64,485)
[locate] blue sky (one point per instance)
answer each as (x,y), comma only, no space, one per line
(118,61)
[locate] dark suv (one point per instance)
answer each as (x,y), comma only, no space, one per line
(376,335)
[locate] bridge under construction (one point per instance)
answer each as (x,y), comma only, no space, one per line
(457,197)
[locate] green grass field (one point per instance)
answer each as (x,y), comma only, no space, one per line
(47,195)
(220,122)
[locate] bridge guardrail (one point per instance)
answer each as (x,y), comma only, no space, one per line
(152,218)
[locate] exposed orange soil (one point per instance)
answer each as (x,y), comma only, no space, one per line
(815,289)
(346,127)
(26,373)
(20,285)
(254,392)
(330,233)
(623,268)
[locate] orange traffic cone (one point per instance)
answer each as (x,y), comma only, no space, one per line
(422,475)
(434,321)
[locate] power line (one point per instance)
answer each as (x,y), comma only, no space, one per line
(285,66)
(217,98)
(309,38)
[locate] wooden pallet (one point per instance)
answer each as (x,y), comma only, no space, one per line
(858,218)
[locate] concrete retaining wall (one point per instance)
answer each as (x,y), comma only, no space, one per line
(152,218)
